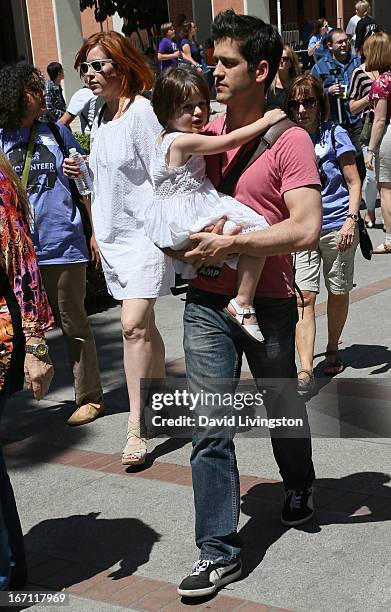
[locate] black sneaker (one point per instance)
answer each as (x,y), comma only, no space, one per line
(207,577)
(298,507)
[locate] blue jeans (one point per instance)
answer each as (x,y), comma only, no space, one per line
(12,551)
(369,186)
(213,351)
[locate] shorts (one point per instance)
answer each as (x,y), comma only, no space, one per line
(338,268)
(383,158)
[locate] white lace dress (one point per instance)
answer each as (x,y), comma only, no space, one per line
(122,160)
(185,201)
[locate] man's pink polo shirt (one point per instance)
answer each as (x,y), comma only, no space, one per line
(288,165)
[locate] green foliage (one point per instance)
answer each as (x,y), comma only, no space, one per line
(84,141)
(137,14)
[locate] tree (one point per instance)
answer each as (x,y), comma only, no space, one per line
(137,14)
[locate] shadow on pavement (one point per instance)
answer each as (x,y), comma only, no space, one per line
(359,356)
(90,545)
(353,499)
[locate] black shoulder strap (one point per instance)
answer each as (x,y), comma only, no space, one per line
(239,166)
(76,197)
(58,138)
(333,135)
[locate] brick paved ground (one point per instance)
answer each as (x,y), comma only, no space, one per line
(117,538)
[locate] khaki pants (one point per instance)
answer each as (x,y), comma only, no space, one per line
(65,285)
(338,268)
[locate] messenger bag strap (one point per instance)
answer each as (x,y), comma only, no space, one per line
(29,155)
(77,199)
(239,166)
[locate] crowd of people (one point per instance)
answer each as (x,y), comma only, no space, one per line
(174,192)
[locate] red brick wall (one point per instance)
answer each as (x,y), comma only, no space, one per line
(42,33)
(348,10)
(289,13)
(222,5)
(90,26)
(176,7)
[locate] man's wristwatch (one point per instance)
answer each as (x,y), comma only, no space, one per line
(38,350)
(353,216)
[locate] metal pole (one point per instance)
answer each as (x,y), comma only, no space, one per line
(279,27)
(340,14)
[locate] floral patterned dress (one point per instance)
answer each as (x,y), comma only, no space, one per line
(381,90)
(24,308)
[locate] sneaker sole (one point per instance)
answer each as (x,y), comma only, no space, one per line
(210,590)
(296,523)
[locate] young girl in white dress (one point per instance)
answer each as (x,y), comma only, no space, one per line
(185,200)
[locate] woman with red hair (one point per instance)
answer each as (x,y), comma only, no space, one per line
(122,155)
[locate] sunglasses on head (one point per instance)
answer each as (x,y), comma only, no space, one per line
(306,103)
(96,65)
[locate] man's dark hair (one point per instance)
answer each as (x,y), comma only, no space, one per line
(15,80)
(257,40)
(172,88)
(332,32)
(53,70)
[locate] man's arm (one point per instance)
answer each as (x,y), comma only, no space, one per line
(330,86)
(300,232)
(167,56)
(67,119)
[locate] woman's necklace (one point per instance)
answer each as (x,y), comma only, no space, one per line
(122,107)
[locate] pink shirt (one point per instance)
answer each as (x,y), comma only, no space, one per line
(289,164)
(381,90)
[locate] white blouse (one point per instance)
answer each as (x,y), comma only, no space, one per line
(122,163)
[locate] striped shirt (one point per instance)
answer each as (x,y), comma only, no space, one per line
(360,84)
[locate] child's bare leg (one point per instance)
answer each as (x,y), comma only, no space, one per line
(249,272)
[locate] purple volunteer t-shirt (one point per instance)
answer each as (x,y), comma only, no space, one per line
(167,46)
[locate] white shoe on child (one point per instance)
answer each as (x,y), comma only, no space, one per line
(251,330)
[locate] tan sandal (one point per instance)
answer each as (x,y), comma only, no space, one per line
(135,451)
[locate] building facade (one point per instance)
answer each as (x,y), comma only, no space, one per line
(43,31)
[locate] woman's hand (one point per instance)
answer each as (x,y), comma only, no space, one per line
(346,235)
(38,374)
(95,255)
(70,167)
(369,160)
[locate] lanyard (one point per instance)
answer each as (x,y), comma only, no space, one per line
(29,156)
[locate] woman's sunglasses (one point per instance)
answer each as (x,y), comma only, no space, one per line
(96,65)
(307,103)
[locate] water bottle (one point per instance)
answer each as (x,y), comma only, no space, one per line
(83,181)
